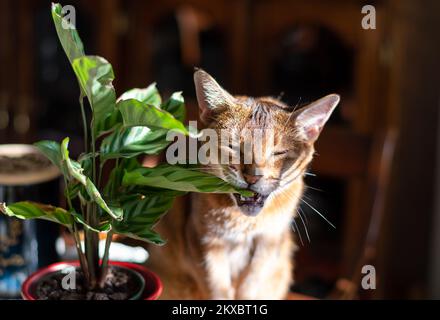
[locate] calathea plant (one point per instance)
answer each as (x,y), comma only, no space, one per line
(133,198)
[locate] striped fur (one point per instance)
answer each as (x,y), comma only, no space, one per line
(215,250)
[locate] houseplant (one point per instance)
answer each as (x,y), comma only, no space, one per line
(131,199)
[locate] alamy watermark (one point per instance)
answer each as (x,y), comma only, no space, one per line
(69,15)
(368,281)
(69,280)
(369,20)
(250,146)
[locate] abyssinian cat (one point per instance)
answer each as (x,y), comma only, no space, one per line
(223,246)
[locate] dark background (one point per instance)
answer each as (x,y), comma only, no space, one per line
(388,79)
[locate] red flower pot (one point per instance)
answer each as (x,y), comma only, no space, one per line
(152,290)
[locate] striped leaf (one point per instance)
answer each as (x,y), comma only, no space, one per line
(33,210)
(141,213)
(52,151)
(179,178)
(104,226)
(115,180)
(67,34)
(95,76)
(94,73)
(149,95)
(76,172)
(176,106)
(130,142)
(135,113)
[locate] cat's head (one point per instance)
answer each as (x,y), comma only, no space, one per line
(273,142)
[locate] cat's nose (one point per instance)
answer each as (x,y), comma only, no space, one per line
(251,179)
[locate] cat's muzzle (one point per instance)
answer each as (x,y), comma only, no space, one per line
(250,206)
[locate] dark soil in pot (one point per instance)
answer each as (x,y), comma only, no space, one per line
(25,163)
(120,284)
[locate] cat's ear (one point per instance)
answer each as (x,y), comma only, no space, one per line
(310,120)
(212,98)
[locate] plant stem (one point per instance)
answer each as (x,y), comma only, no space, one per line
(92,219)
(92,247)
(104,264)
(81,256)
(84,120)
(93,155)
(101,166)
(75,233)
(113,189)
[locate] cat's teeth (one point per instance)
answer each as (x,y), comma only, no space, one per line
(242,198)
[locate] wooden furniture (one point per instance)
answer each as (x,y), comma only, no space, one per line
(370,160)
(243,43)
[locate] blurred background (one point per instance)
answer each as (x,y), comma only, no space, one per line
(375,176)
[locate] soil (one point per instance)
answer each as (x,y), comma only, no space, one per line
(26,163)
(119,285)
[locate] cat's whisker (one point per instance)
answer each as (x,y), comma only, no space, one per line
(313,208)
(294,224)
(313,188)
(297,104)
(304,214)
(307,197)
(322,216)
(295,229)
(305,227)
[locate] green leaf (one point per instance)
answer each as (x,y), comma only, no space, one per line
(95,76)
(86,162)
(115,180)
(112,122)
(130,142)
(33,210)
(72,189)
(76,171)
(181,179)
(67,34)
(73,168)
(149,95)
(176,106)
(104,226)
(52,151)
(145,190)
(135,113)
(143,234)
(142,212)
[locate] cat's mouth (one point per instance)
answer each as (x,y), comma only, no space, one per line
(251,205)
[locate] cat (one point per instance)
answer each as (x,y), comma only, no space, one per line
(223,246)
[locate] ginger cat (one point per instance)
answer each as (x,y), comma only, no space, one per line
(223,246)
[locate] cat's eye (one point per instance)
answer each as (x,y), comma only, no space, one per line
(280,153)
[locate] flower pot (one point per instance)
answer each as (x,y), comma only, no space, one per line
(150,290)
